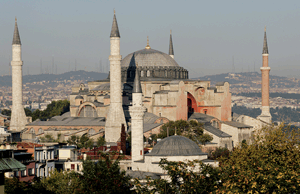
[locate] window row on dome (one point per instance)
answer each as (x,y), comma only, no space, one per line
(128,74)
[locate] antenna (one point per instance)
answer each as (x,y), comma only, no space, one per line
(55,68)
(233,68)
(107,67)
(41,67)
(69,66)
(100,66)
(52,64)
(9,66)
(75,65)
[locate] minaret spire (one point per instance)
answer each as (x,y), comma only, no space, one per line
(137,84)
(171,50)
(18,118)
(265,84)
(16,38)
(265,47)
(115,29)
(137,111)
(115,116)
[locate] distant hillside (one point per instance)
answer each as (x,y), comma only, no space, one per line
(72,75)
(251,79)
(235,78)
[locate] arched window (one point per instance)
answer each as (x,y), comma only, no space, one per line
(148,73)
(215,124)
(40,131)
(142,73)
(166,73)
(81,86)
(32,131)
(91,132)
(88,111)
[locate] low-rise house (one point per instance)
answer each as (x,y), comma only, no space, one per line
(68,159)
(8,164)
(27,160)
(44,157)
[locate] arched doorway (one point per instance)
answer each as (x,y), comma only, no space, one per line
(191,103)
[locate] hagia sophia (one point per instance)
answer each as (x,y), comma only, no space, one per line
(144,90)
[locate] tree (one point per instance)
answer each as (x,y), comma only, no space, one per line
(62,182)
(13,185)
(55,108)
(271,164)
(85,142)
(104,176)
(101,141)
(191,177)
(81,142)
(6,112)
(48,138)
(190,129)
(28,112)
(219,152)
(73,140)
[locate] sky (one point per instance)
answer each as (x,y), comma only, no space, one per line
(209,37)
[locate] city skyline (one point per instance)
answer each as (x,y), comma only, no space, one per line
(209,38)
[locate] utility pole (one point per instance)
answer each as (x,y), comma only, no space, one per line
(233,69)
(69,66)
(41,67)
(52,64)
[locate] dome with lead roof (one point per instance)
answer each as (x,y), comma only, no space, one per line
(176,145)
(148,57)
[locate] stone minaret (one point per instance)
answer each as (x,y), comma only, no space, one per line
(171,50)
(137,111)
(265,70)
(115,117)
(18,117)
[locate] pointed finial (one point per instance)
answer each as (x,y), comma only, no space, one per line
(175,131)
(171,50)
(136,83)
(16,37)
(148,47)
(265,46)
(115,29)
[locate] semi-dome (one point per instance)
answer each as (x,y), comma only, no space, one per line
(78,97)
(176,145)
(150,58)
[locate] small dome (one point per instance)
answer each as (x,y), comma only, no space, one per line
(78,97)
(148,57)
(176,145)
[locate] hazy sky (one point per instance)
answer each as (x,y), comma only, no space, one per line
(206,34)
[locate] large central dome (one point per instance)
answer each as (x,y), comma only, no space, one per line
(148,57)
